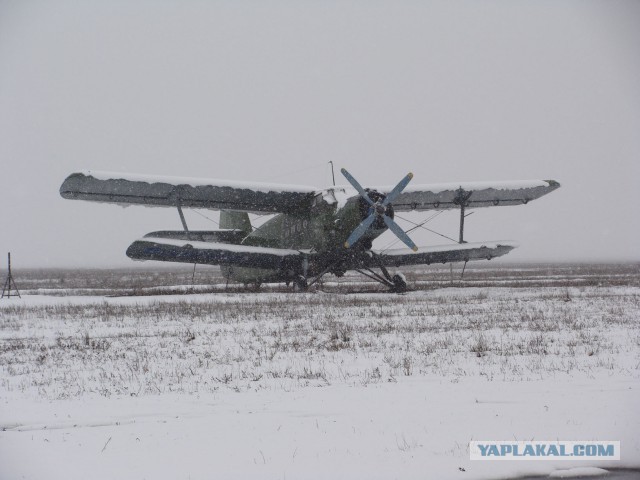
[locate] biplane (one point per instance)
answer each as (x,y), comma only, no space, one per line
(312,232)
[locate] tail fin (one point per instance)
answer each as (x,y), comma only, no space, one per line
(235,220)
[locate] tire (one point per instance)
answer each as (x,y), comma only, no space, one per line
(300,284)
(399,284)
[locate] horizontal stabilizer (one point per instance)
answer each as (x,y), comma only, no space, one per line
(166,250)
(463,252)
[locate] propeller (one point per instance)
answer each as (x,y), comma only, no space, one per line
(378,210)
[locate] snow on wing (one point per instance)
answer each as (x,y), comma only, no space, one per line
(152,190)
(208,253)
(480,194)
(446,253)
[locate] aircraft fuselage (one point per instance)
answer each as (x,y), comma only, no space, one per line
(324,230)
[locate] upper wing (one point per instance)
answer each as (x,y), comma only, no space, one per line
(445,253)
(187,192)
(472,195)
(209,253)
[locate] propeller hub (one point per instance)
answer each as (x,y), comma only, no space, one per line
(377,208)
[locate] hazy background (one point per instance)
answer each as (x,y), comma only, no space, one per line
(271,91)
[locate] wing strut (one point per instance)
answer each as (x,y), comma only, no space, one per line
(462,199)
(182,219)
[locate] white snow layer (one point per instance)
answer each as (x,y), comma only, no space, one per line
(472,186)
(198,182)
(225,247)
(274,187)
(365,425)
(452,247)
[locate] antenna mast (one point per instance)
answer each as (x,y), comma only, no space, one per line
(6,291)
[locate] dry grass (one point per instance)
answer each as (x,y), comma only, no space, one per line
(201,343)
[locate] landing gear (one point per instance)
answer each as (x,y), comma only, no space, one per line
(300,284)
(396,283)
(399,283)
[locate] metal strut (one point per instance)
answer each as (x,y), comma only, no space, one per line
(186,229)
(385,278)
(463,268)
(322,274)
(374,276)
(462,199)
(182,219)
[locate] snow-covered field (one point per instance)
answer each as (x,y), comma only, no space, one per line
(328,384)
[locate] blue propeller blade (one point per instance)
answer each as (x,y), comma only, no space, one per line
(366,223)
(356,185)
(360,229)
(395,228)
(391,196)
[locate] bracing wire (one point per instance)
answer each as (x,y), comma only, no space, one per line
(393,242)
(421,225)
(253,227)
(204,216)
(418,225)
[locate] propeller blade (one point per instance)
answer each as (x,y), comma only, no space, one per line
(360,229)
(391,196)
(395,228)
(377,211)
(356,185)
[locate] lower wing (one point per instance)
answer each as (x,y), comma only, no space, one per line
(463,252)
(209,253)
(213,253)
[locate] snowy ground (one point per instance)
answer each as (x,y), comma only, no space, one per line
(319,385)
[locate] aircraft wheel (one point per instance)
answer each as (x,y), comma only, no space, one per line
(300,284)
(399,283)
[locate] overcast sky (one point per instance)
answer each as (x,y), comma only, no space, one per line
(271,91)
